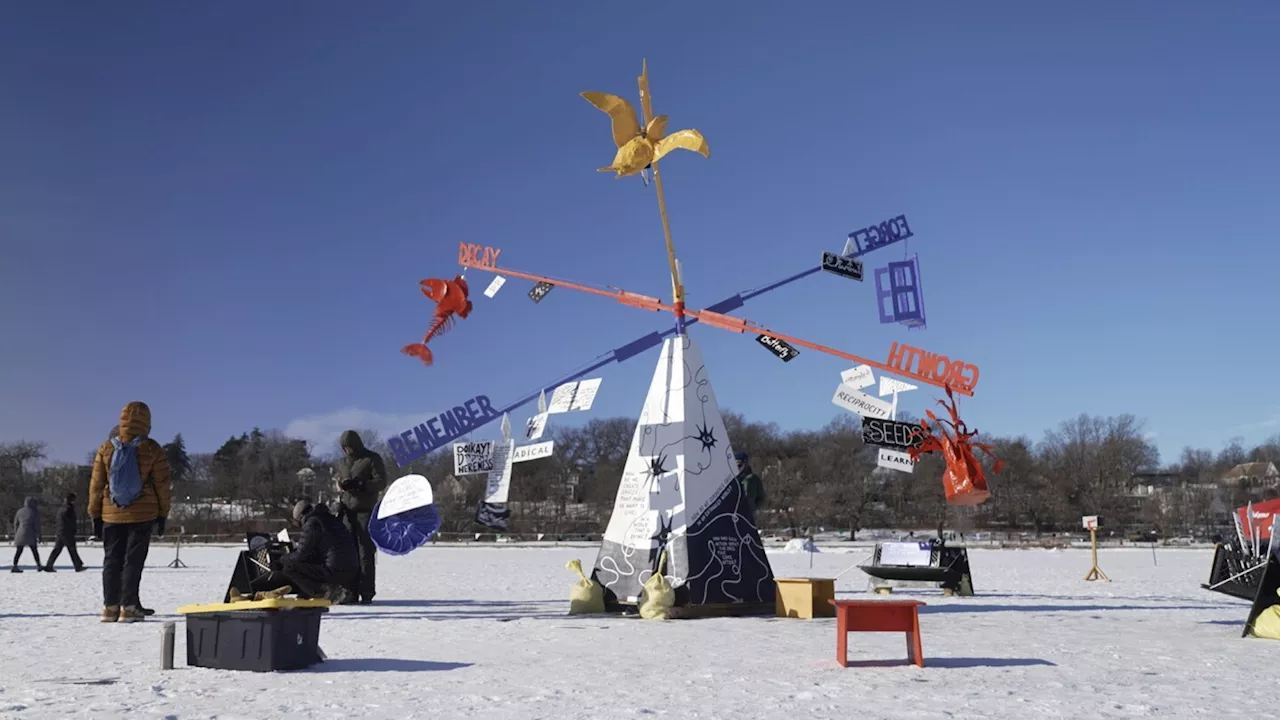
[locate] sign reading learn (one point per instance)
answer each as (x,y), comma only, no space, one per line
(442,429)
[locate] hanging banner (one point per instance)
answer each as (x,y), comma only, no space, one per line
(874,237)
(492,516)
(525,453)
(895,460)
(473,458)
(781,348)
(842,266)
(892,386)
(407,493)
(861,403)
(540,291)
(498,482)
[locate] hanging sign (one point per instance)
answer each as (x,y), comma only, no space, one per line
(893,386)
(537,451)
(859,377)
(473,458)
(895,460)
(891,433)
(875,237)
(842,266)
(495,286)
(407,493)
(540,291)
(781,348)
(574,396)
(441,429)
(535,426)
(901,298)
(478,256)
(861,403)
(498,482)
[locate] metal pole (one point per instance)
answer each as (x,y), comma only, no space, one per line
(167,634)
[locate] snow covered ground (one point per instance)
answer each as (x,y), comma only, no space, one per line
(481,632)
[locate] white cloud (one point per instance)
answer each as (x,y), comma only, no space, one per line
(321,431)
(1272,421)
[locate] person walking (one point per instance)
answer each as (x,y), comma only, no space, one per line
(65,536)
(26,533)
(362,476)
(128,500)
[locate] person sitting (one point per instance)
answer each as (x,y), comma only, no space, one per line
(324,560)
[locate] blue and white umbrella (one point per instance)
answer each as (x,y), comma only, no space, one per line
(406,517)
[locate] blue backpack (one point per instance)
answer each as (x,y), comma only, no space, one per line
(124,479)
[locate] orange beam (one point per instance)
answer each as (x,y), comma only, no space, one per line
(932,369)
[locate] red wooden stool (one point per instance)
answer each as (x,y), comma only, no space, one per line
(878,616)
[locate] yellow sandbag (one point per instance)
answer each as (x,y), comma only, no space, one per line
(1268,623)
(586,597)
(658,594)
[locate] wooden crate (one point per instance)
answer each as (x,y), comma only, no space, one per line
(805,598)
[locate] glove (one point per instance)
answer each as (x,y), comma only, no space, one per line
(160,527)
(97,528)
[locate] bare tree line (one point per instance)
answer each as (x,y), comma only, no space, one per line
(825,478)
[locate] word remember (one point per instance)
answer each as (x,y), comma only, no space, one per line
(441,429)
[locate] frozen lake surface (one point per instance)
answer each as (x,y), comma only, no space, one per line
(481,632)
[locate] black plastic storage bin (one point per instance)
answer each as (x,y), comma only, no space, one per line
(259,640)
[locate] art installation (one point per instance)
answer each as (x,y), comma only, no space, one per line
(450,297)
(899,294)
(678,492)
(964,480)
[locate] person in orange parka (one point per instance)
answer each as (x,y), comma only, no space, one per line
(125,528)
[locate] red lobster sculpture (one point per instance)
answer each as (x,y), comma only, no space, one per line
(451,300)
(964,480)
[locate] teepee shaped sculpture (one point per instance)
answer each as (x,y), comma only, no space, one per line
(679,492)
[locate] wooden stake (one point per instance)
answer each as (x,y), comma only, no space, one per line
(1095,573)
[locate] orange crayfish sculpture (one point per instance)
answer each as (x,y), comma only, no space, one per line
(451,300)
(964,480)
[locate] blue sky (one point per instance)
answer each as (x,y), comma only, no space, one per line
(224,209)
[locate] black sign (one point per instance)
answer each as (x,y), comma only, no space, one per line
(842,266)
(877,236)
(781,348)
(891,433)
(493,516)
(540,291)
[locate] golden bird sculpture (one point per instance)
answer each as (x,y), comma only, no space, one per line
(639,148)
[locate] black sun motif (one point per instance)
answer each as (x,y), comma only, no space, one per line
(656,469)
(706,436)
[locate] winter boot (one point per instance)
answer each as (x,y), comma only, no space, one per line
(110,613)
(131,613)
(48,568)
(148,612)
(237,597)
(81,568)
(273,594)
(336,594)
(15,569)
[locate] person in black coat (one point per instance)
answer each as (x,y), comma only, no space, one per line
(324,560)
(66,535)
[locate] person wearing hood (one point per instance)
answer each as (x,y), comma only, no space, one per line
(362,477)
(323,562)
(128,499)
(26,533)
(65,536)
(752,487)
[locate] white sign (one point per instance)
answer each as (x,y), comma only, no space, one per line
(535,426)
(861,403)
(859,377)
(495,286)
(407,493)
(910,554)
(574,396)
(895,460)
(498,482)
(533,452)
(893,386)
(472,458)
(1090,522)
